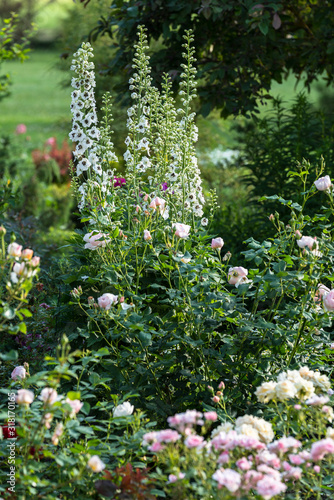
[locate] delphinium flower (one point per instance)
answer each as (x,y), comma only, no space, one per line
(94,150)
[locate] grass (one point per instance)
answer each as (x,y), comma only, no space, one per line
(37,98)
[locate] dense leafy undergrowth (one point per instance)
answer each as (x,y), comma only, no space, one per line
(154,320)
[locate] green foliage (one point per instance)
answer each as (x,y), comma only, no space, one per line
(240,47)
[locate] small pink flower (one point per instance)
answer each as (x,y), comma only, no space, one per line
(48,395)
(323,183)
(19,372)
(21,129)
(317,469)
(268,487)
(217,243)
(237,275)
(321,292)
(51,141)
(107,300)
(211,415)
(75,404)
(331,346)
(147,235)
(297,407)
(229,478)
(35,261)
(221,385)
(216,399)
(155,447)
(271,217)
(24,397)
(298,234)
(321,448)
(296,459)
(95,240)
(328,301)
(243,464)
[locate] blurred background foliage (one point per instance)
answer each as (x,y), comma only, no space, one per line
(266,98)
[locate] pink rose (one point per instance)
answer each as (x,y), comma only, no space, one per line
(193,441)
(323,183)
(75,404)
(181,230)
(107,300)
(307,241)
(51,141)
(14,250)
(19,372)
(268,487)
(229,478)
(328,301)
(35,261)
(95,240)
(147,235)
(319,294)
(322,448)
(24,397)
(48,395)
(21,129)
(237,275)
(211,415)
(217,243)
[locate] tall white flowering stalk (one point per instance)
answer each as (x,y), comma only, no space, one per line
(162,175)
(93,153)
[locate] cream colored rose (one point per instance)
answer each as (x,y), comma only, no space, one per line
(246,419)
(248,430)
(226,427)
(330,433)
(285,390)
(264,429)
(321,382)
(266,392)
(305,372)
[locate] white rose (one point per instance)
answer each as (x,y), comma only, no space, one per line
(123,410)
(285,390)
(24,397)
(248,430)
(264,429)
(19,372)
(14,250)
(107,300)
(266,392)
(96,464)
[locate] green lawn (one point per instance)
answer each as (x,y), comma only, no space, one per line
(37,98)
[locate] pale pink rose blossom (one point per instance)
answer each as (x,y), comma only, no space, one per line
(317,469)
(216,399)
(51,141)
(172,478)
(243,464)
(297,407)
(294,473)
(193,441)
(229,478)
(321,292)
(18,372)
(35,261)
(107,300)
(296,459)
(224,457)
(95,240)
(268,487)
(307,241)
(96,464)
(24,397)
(217,243)
(237,275)
(21,129)
(316,400)
(323,183)
(27,254)
(181,230)
(147,235)
(48,395)
(328,301)
(298,234)
(322,448)
(14,250)
(75,404)
(156,447)
(211,415)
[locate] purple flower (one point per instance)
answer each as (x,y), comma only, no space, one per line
(164,186)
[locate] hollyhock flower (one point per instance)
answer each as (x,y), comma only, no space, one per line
(21,129)
(217,243)
(229,478)
(14,250)
(49,395)
(323,183)
(95,464)
(18,372)
(322,448)
(147,235)
(95,240)
(307,241)
(237,275)
(107,300)
(27,254)
(328,301)
(181,230)
(268,487)
(24,397)
(123,410)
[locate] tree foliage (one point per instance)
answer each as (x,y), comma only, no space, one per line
(241,46)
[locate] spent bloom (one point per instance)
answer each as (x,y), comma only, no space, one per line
(323,183)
